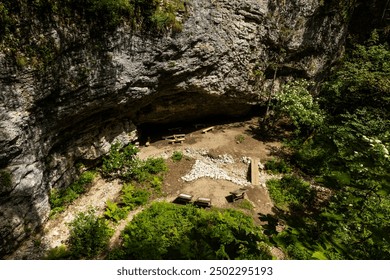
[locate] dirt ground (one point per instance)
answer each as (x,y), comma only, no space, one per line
(235,140)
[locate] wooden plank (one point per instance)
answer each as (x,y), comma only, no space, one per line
(176,140)
(174,136)
(255,172)
(179,135)
(208,129)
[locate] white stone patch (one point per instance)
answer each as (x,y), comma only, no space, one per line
(206,169)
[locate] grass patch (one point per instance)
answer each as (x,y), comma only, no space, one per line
(245,204)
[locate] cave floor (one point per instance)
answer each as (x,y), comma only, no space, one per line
(234,141)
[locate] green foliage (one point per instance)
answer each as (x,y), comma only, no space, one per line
(26,42)
(119,160)
(133,197)
(115,213)
(362,80)
(290,192)
(245,204)
(89,235)
(123,164)
(350,154)
(58,253)
(59,199)
(239,138)
(177,156)
(295,102)
(277,166)
(169,231)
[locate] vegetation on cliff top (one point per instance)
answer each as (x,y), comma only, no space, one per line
(24,24)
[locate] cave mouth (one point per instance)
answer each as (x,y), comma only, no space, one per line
(152,132)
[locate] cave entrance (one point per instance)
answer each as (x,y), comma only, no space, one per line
(154,132)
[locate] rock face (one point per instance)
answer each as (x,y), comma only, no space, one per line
(222,63)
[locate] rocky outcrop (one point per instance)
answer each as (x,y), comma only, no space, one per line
(97,91)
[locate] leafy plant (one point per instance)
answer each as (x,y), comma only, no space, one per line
(239,138)
(59,199)
(58,253)
(132,197)
(89,235)
(186,232)
(119,160)
(296,102)
(177,156)
(245,204)
(114,212)
(290,192)
(276,166)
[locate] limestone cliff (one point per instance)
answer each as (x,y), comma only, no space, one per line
(97,91)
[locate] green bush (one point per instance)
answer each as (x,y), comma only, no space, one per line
(114,212)
(290,192)
(277,166)
(169,231)
(177,156)
(59,199)
(132,197)
(119,159)
(89,235)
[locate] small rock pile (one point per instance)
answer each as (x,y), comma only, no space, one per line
(206,169)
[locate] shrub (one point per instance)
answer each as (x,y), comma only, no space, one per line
(186,232)
(177,156)
(290,191)
(89,235)
(118,160)
(277,166)
(132,197)
(114,212)
(156,184)
(59,199)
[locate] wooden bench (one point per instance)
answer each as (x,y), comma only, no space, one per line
(176,140)
(174,136)
(186,198)
(238,194)
(208,129)
(203,202)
